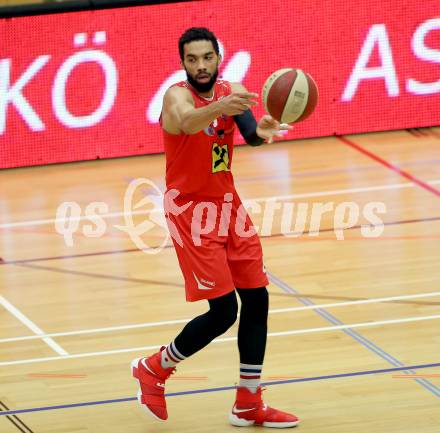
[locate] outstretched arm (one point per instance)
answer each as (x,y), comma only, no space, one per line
(180,115)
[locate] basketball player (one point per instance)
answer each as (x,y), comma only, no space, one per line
(198,119)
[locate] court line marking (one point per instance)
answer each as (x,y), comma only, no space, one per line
(226,339)
(353,334)
(389,165)
(183,321)
(270,198)
(102,276)
(413,376)
(341,191)
(225,388)
(292,175)
(56,376)
(32,326)
(15,420)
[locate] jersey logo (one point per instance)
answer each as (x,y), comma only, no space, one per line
(210,130)
(201,286)
(220,158)
(236,411)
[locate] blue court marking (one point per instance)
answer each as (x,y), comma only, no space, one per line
(224,388)
(434,389)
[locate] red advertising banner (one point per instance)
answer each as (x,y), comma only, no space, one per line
(89,85)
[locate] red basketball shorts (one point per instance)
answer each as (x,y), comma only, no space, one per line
(216,245)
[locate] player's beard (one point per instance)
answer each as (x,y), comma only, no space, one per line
(202,87)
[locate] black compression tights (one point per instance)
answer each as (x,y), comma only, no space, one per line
(222,314)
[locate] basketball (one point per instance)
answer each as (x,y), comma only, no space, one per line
(290,95)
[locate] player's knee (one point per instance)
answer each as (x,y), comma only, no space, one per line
(255,303)
(224,312)
(230,315)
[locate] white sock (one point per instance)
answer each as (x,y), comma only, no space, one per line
(250,376)
(171,356)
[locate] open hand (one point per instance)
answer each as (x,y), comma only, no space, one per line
(268,127)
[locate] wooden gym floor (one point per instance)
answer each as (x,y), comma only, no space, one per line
(354,341)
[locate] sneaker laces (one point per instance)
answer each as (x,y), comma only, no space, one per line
(268,411)
(262,405)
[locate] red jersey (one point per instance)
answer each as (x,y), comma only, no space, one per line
(200,164)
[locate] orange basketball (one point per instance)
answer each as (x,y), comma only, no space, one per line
(290,95)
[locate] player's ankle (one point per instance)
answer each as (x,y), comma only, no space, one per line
(170,356)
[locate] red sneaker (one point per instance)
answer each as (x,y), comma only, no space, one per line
(152,377)
(249,409)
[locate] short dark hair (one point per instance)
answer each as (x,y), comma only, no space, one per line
(197,34)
